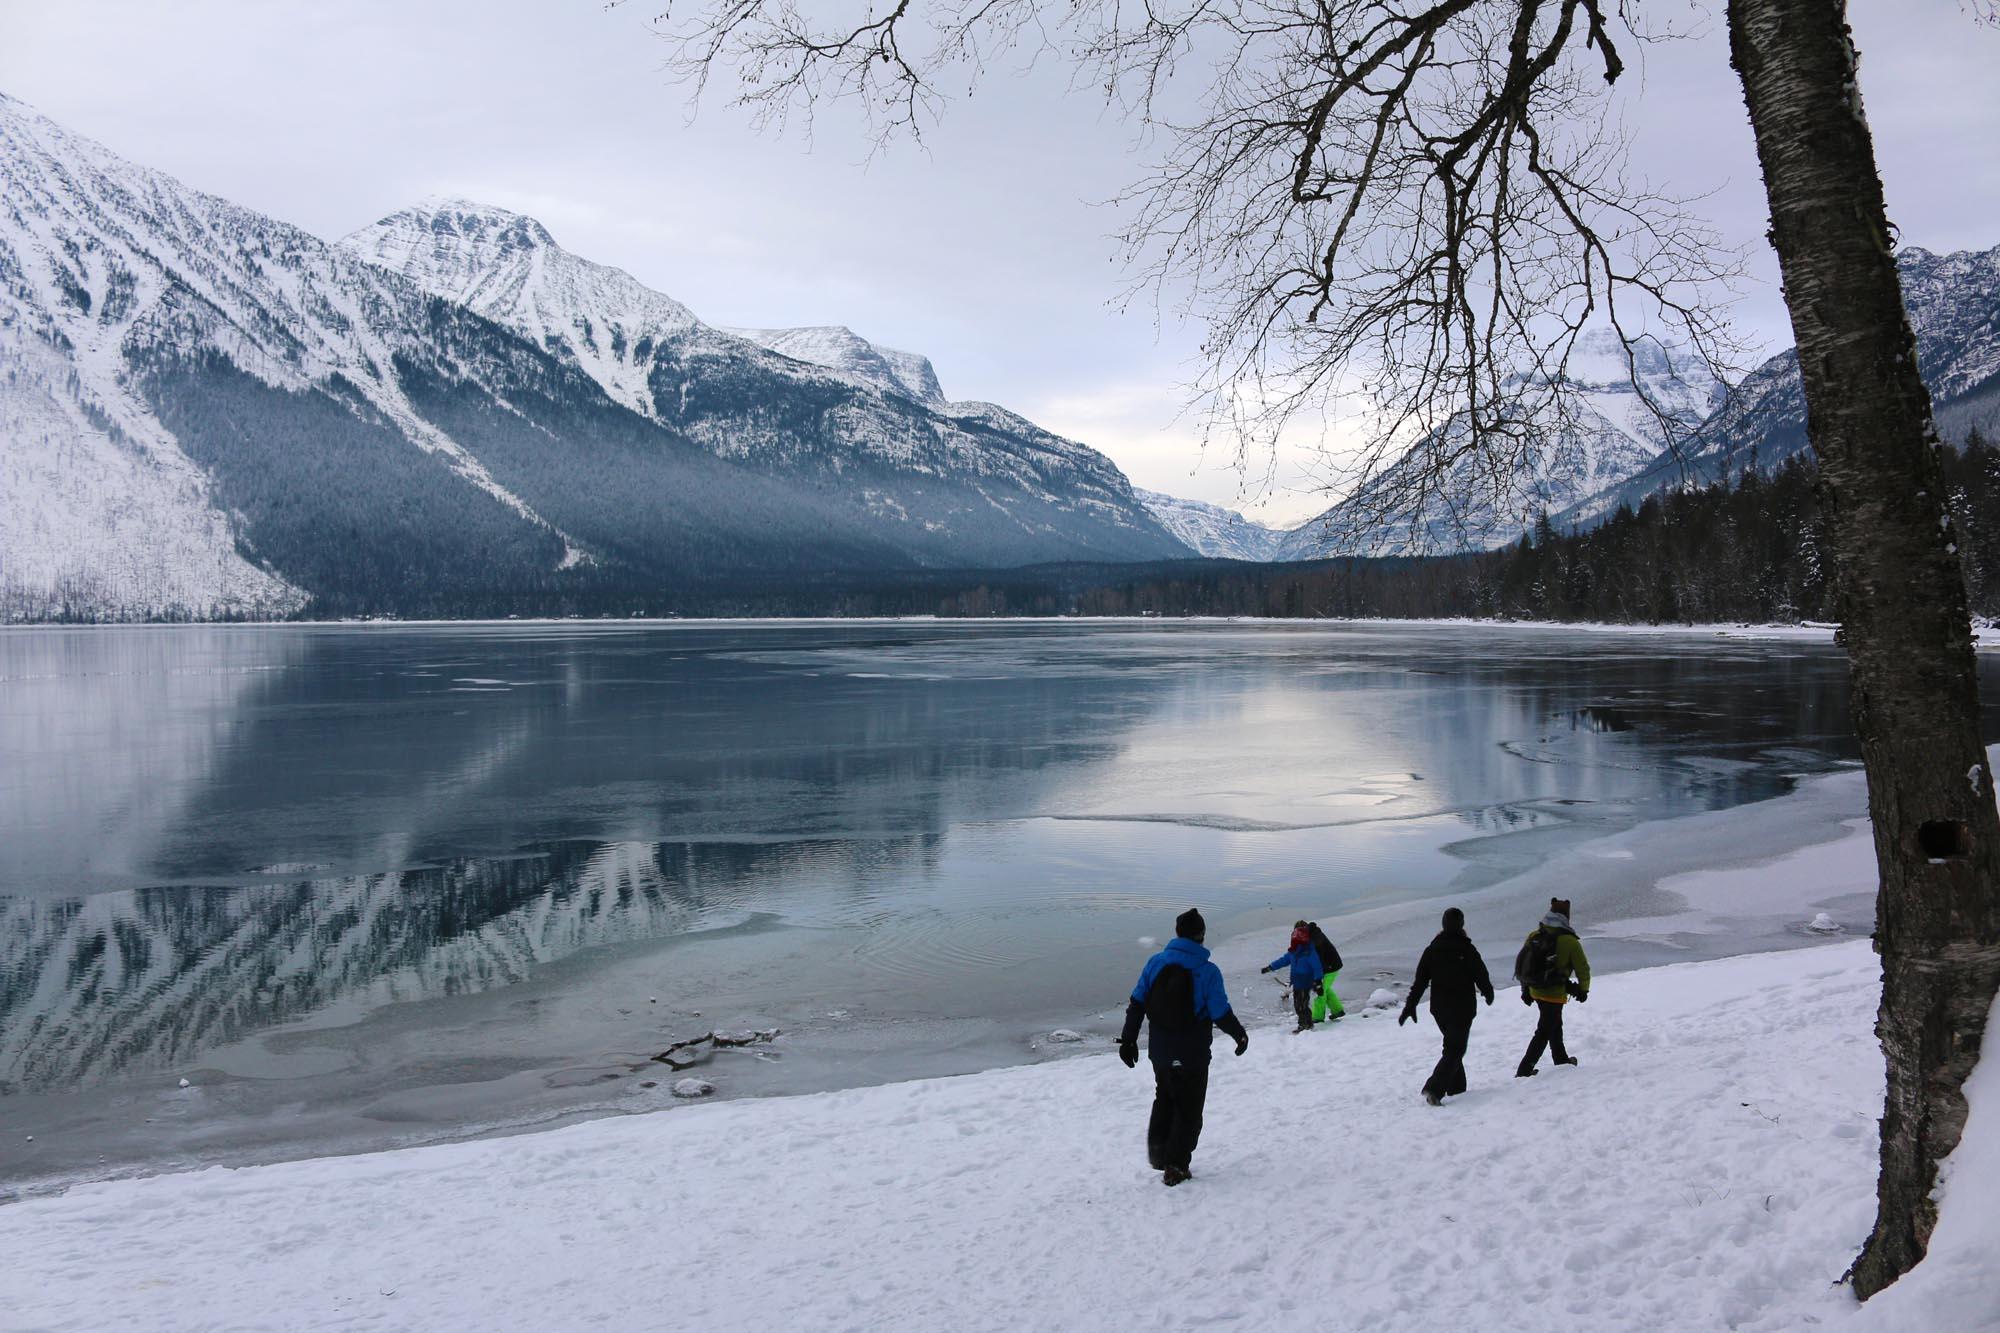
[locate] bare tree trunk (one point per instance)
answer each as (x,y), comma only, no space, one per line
(1902,599)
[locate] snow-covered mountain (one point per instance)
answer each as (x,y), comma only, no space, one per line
(1212,531)
(205,411)
(1954,306)
(1620,396)
(508,268)
(955,483)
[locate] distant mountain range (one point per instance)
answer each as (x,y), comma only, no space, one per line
(1212,531)
(205,412)
(1621,396)
(1617,453)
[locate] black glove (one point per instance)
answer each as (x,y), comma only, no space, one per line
(1262,970)
(1128,1051)
(1525,997)
(1489,997)
(1582,996)
(1405,1017)
(1243,1043)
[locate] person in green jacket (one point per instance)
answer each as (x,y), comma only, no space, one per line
(1545,967)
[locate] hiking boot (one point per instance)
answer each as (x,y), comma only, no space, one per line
(1433,1099)
(1174,1175)
(1526,1073)
(1569,1061)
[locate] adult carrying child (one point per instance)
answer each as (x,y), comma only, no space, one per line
(1306,973)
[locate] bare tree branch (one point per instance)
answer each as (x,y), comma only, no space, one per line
(1416,209)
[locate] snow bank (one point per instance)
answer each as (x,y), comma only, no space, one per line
(1710,1164)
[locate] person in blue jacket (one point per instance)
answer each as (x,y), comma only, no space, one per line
(1303,959)
(1181,999)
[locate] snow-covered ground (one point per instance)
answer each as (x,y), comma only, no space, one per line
(1710,1164)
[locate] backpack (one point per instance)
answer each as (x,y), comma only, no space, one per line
(1536,966)
(1329,957)
(1170,1000)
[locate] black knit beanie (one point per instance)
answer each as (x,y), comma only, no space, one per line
(1454,919)
(1189,925)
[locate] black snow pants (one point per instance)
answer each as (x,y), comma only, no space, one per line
(1178,1093)
(1302,1003)
(1548,1036)
(1448,1079)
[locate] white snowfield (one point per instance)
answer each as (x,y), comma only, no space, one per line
(1709,1165)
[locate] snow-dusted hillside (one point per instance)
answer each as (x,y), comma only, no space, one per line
(1954,306)
(1625,401)
(112,277)
(98,505)
(1212,531)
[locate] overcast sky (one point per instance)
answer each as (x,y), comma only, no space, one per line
(988,252)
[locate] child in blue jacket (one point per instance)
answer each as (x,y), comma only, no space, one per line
(1303,959)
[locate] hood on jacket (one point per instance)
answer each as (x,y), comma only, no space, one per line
(1186,952)
(1556,921)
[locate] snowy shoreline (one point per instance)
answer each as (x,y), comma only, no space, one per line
(1709,1164)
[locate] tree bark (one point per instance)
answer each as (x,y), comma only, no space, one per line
(1901,594)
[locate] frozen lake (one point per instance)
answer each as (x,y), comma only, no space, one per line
(370,885)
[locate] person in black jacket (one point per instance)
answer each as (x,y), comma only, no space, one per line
(1181,999)
(1452,968)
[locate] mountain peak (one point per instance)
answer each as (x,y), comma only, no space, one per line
(507,267)
(453,221)
(837,347)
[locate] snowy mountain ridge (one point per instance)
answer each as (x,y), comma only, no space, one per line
(641,345)
(1954,307)
(1213,531)
(508,268)
(1621,395)
(839,348)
